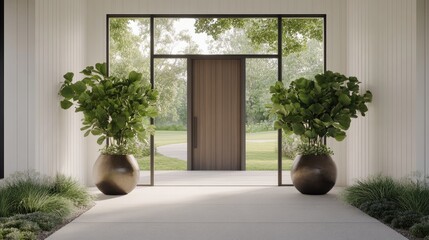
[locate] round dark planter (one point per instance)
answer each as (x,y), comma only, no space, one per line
(314,174)
(116,174)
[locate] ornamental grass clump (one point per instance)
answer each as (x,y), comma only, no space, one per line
(67,188)
(30,192)
(415,196)
(403,204)
(32,204)
(378,188)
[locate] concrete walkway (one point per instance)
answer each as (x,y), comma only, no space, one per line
(178,151)
(223,213)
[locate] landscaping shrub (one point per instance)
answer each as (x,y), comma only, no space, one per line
(18,229)
(424,218)
(27,226)
(5,204)
(16,234)
(45,221)
(388,216)
(406,219)
(31,203)
(379,209)
(30,192)
(67,188)
(374,189)
(420,230)
(43,201)
(414,197)
(403,204)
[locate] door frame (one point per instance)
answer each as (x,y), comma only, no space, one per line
(190,107)
(277,56)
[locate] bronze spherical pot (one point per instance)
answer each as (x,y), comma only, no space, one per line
(116,174)
(314,174)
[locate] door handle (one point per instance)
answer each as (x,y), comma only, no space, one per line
(194,132)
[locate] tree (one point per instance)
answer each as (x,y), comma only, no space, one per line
(129,49)
(296,32)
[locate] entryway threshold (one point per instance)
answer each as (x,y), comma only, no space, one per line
(215,178)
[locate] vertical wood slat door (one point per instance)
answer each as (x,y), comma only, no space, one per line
(216,114)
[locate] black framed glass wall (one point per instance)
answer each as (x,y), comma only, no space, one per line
(291,45)
(2,90)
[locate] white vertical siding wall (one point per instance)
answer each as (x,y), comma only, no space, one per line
(336,32)
(381,52)
(17,60)
(43,40)
(425,40)
(60,41)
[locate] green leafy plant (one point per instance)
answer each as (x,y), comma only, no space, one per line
(12,233)
(406,219)
(389,215)
(308,149)
(319,108)
(27,226)
(379,208)
(45,221)
(420,230)
(115,109)
(424,218)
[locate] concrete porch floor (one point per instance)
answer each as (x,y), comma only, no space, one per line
(215,178)
(223,212)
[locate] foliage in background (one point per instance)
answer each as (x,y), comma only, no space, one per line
(262,126)
(115,109)
(403,204)
(129,45)
(263,31)
(290,143)
(319,108)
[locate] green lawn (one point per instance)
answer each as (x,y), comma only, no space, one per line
(259,155)
(163,163)
(169,137)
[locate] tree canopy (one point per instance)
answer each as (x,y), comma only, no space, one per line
(296,32)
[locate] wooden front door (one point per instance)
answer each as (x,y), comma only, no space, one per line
(216,114)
